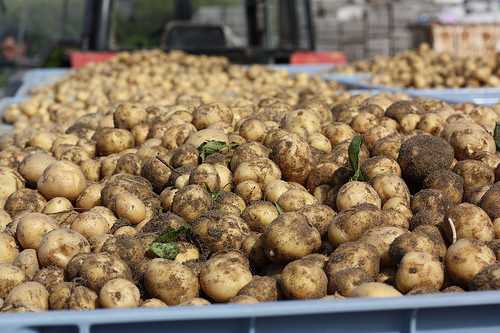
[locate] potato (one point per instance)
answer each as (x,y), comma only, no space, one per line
(381,238)
(355,193)
(388,146)
(113,140)
(448,182)
(31,295)
(389,186)
(470,141)
(420,155)
(128,115)
(24,200)
(290,237)
(27,261)
(57,205)
(349,225)
(486,279)
(209,134)
(419,269)
(489,201)
(191,202)
(50,277)
(128,163)
(465,258)
(171,282)
(274,189)
(4,219)
(156,172)
(130,207)
(345,281)
(338,132)
(218,231)
(469,221)
(249,190)
(119,293)
(90,224)
(96,270)
(62,179)
(195,301)
(295,199)
(319,216)
(224,275)
(33,165)
(90,197)
(153,303)
(260,170)
(429,200)
(293,156)
(106,213)
(380,165)
(10,276)
(262,288)
(71,296)
(303,279)
(354,255)
(59,245)
(409,242)
(8,249)
(259,215)
(32,227)
(375,289)
(243,299)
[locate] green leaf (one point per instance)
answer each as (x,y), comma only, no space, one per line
(278,208)
(164,250)
(215,195)
(171,235)
(210,147)
(354,152)
(497,135)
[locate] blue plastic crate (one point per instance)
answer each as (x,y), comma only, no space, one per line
(39,77)
(480,96)
(476,312)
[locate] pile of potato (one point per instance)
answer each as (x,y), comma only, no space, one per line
(425,68)
(158,179)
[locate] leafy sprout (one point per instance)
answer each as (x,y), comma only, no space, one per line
(211,147)
(354,152)
(278,208)
(215,195)
(164,246)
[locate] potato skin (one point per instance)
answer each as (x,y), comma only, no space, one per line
(170,281)
(489,201)
(466,258)
(303,279)
(448,182)
(10,276)
(8,249)
(290,237)
(418,269)
(375,289)
(71,296)
(354,255)
(119,293)
(293,156)
(345,281)
(263,288)
(59,245)
(31,295)
(191,202)
(355,193)
(62,179)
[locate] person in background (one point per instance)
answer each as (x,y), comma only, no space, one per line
(11,50)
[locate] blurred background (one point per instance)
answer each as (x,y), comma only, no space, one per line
(65,33)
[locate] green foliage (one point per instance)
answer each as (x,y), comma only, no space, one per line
(210,147)
(354,152)
(278,208)
(164,246)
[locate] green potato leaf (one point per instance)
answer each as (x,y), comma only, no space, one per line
(164,250)
(210,147)
(354,152)
(171,235)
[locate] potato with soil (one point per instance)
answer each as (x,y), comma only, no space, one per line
(263,288)
(191,202)
(319,216)
(475,174)
(303,279)
(113,140)
(469,221)
(355,193)
(409,242)
(471,140)
(354,255)
(295,199)
(71,296)
(96,270)
(486,279)
(128,115)
(293,156)
(157,173)
(59,245)
(224,275)
(260,170)
(349,225)
(32,227)
(57,205)
(218,231)
(50,277)
(24,200)
(170,281)
(390,186)
(380,165)
(27,261)
(30,295)
(466,258)
(33,165)
(8,249)
(90,224)
(10,276)
(448,182)
(489,201)
(119,293)
(381,238)
(259,215)
(419,269)
(62,179)
(420,155)
(290,237)
(345,281)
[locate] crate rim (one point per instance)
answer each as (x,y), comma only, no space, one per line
(235,311)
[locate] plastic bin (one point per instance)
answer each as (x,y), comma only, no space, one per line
(481,96)
(442,313)
(39,77)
